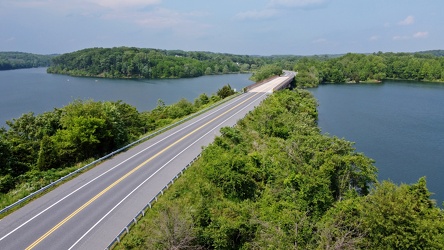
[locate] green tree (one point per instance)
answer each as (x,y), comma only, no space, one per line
(402,217)
(265,72)
(225,91)
(47,157)
(80,138)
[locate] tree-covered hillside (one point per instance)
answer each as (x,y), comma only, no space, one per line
(19,60)
(124,62)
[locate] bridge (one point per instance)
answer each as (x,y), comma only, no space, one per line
(89,211)
(283,81)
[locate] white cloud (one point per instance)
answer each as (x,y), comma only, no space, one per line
(256,14)
(407,21)
(297,3)
(417,35)
(421,34)
(320,41)
(179,23)
(273,8)
(82,4)
(114,4)
(397,38)
(29,3)
(132,12)
(160,18)
(374,38)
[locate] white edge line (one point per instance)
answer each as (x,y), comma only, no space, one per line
(84,185)
(135,189)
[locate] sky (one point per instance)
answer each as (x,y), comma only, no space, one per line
(244,27)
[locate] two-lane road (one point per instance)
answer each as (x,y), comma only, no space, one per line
(90,210)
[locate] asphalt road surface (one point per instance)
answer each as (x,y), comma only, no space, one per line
(89,211)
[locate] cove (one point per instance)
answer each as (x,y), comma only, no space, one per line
(399,124)
(33,90)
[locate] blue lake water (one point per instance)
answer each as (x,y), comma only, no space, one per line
(33,90)
(399,124)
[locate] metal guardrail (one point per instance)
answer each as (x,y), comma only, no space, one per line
(141,213)
(52,184)
(126,229)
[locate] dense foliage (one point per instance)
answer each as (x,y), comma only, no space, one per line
(38,149)
(266,71)
(374,67)
(274,181)
(124,62)
(19,60)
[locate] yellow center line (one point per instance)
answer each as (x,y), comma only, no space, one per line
(35,243)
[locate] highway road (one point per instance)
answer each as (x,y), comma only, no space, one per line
(89,211)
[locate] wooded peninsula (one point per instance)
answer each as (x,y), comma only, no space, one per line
(20,60)
(126,62)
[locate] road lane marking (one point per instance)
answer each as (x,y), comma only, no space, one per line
(158,170)
(109,170)
(35,243)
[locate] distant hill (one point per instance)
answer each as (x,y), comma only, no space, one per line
(20,60)
(432,52)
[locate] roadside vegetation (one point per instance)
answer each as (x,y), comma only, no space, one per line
(274,181)
(38,149)
(20,60)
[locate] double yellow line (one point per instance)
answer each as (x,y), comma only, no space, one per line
(69,217)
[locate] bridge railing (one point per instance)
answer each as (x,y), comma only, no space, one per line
(254,85)
(284,84)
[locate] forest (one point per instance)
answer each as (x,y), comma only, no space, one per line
(356,68)
(38,149)
(274,181)
(130,62)
(125,62)
(20,60)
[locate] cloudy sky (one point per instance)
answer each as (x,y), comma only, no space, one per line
(253,27)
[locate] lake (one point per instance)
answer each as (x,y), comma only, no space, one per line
(27,90)
(399,124)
